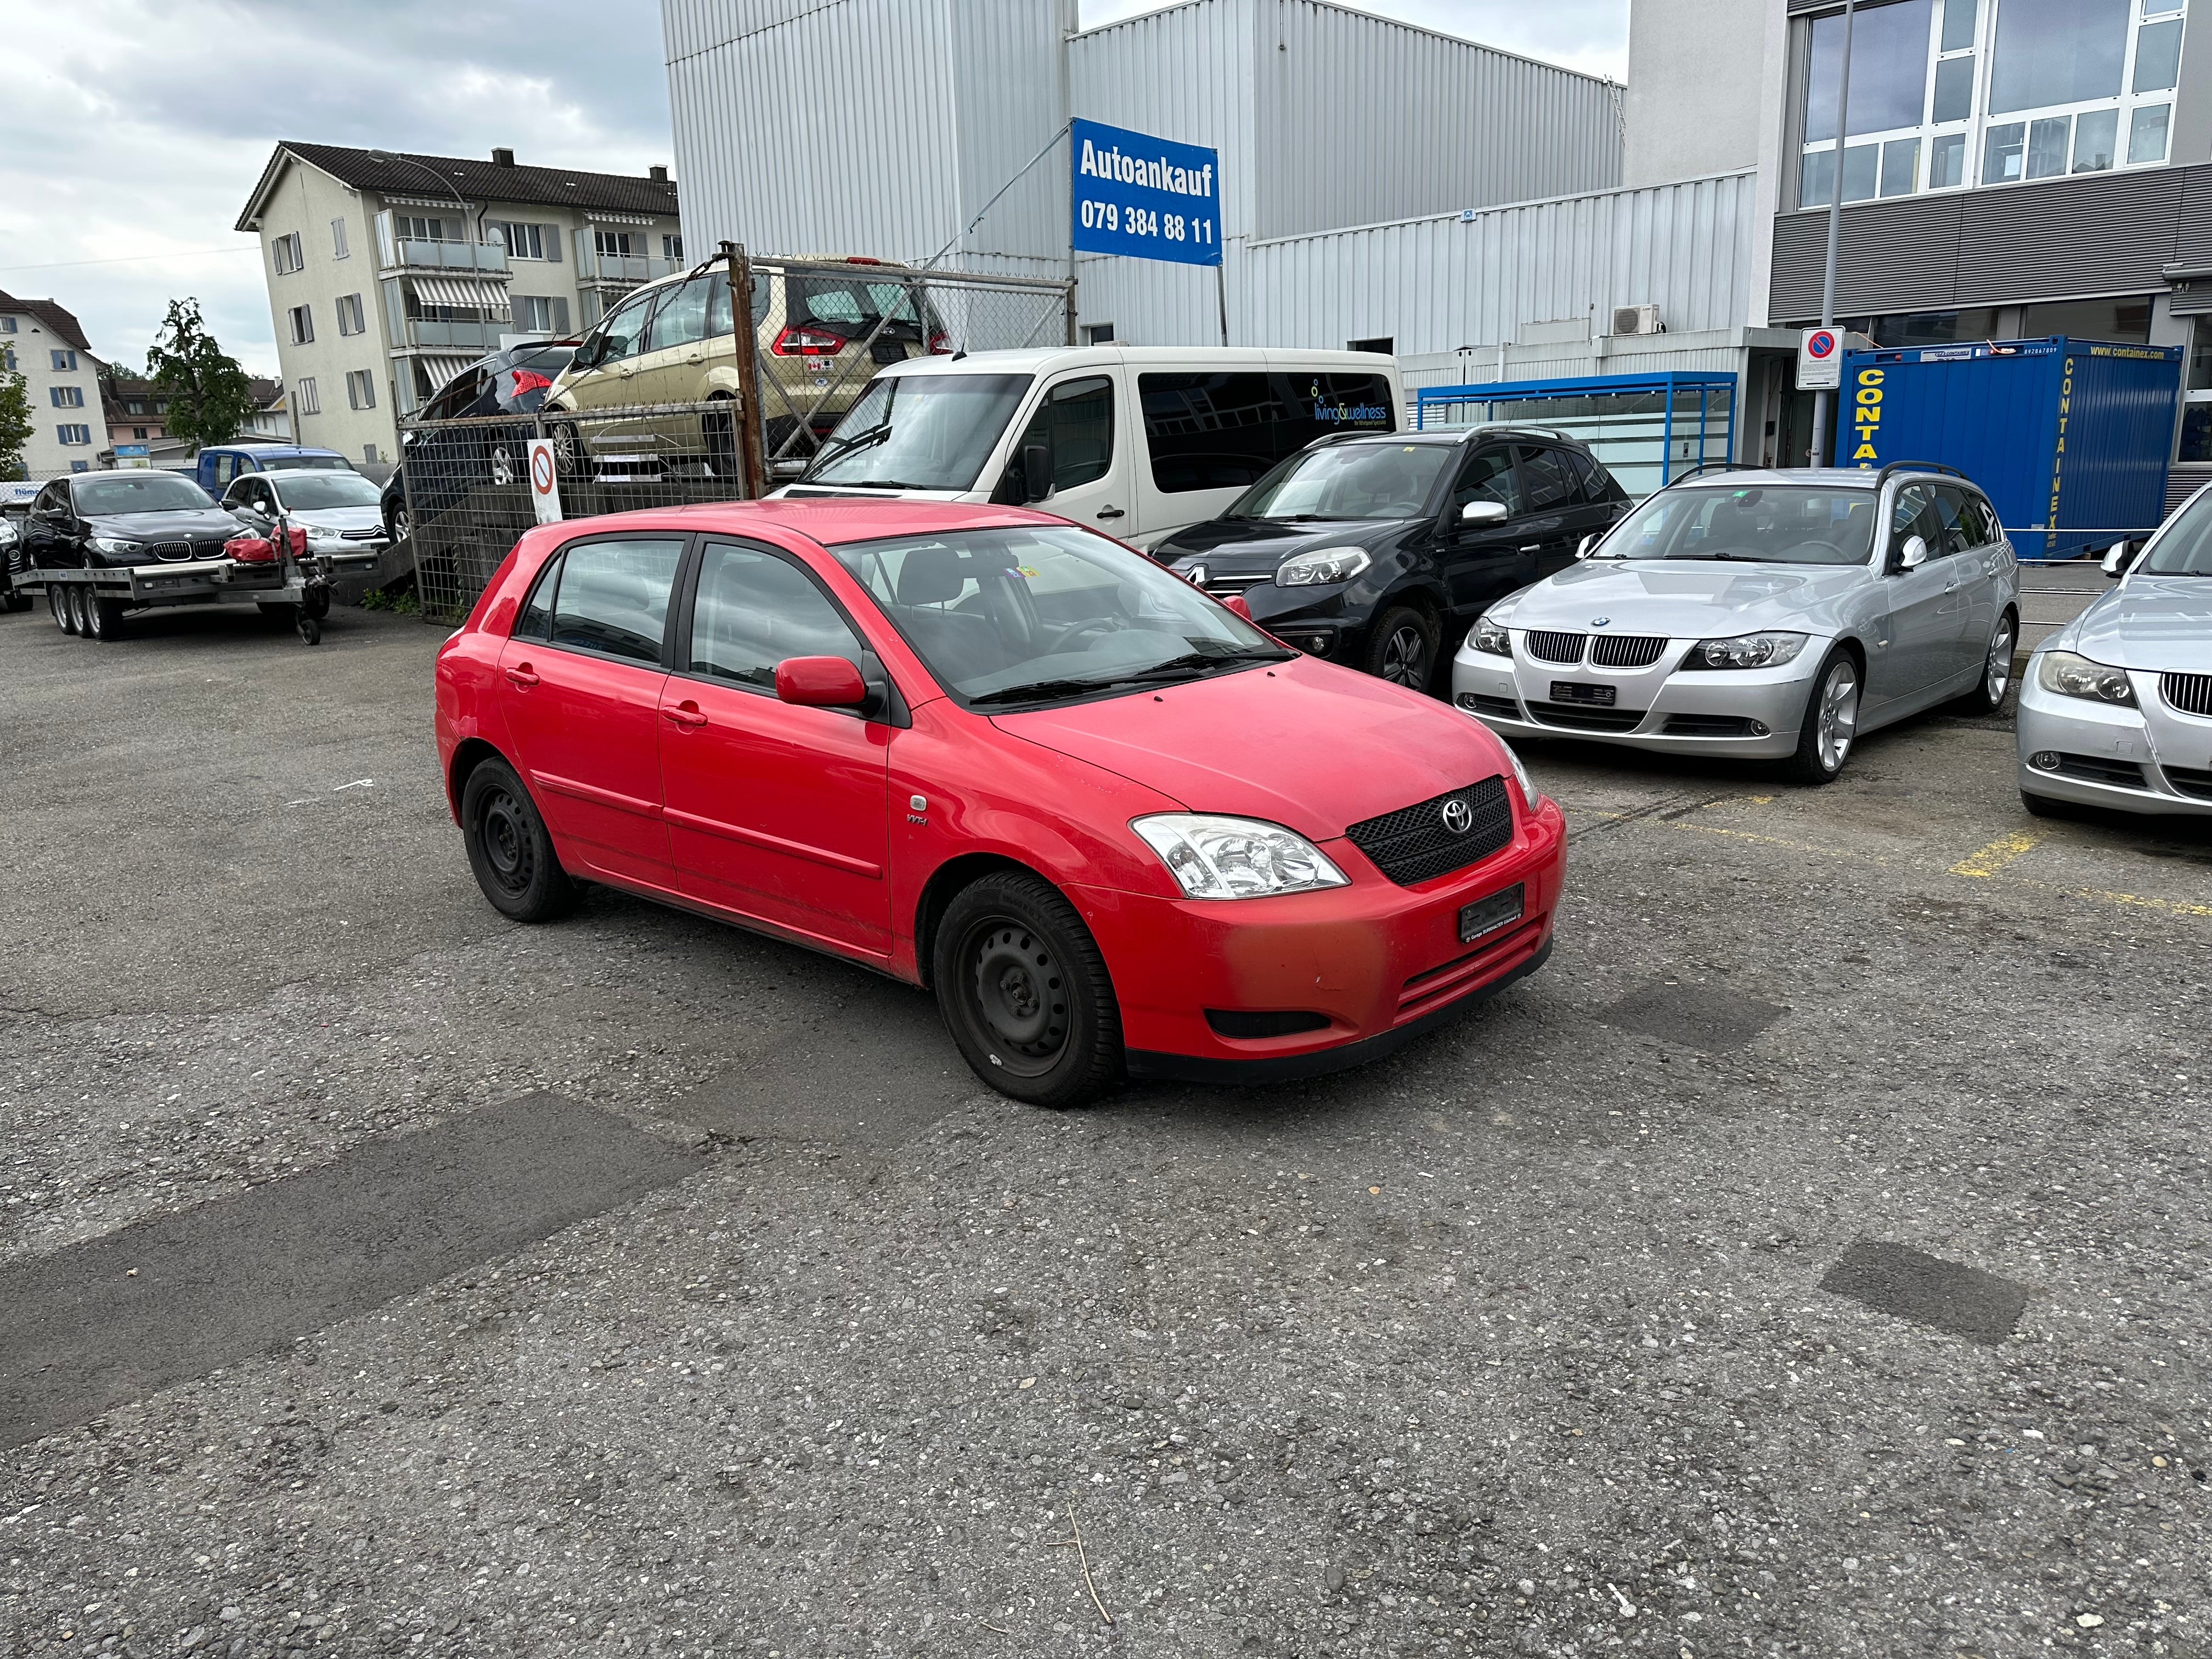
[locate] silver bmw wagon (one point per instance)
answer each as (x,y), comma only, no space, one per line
(1770,615)
(2116,708)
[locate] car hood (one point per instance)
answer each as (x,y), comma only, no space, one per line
(194,524)
(341,517)
(1302,744)
(2162,623)
(1683,599)
(1243,545)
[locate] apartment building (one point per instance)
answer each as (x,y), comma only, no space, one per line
(43,343)
(388,273)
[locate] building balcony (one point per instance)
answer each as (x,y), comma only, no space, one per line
(620,269)
(432,333)
(401,254)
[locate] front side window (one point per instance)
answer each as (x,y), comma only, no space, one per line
(1075,422)
(623,332)
(613,596)
(2184,547)
(681,316)
(1348,481)
(919,432)
(1771,524)
(754,609)
(1488,477)
(1947,93)
(1044,614)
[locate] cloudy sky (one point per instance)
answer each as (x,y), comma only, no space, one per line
(131,133)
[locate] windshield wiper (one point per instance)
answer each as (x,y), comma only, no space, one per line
(1037,690)
(1190,659)
(858,440)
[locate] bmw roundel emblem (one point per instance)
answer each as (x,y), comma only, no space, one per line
(1459,816)
(1600,622)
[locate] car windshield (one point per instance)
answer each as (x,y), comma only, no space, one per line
(2184,548)
(139,492)
(918,432)
(1770,524)
(307,463)
(1349,481)
(1047,613)
(309,491)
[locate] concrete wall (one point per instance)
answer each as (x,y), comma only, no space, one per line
(1695,70)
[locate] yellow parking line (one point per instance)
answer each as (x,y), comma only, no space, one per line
(1997,854)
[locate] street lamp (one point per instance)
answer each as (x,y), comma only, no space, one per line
(427,172)
(1824,404)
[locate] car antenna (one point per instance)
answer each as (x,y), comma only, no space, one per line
(958,354)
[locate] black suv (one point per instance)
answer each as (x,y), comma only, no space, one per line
(1379,550)
(443,467)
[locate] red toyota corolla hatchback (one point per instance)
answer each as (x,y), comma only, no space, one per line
(1115,826)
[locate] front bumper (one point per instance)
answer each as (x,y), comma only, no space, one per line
(1380,962)
(2147,759)
(1700,712)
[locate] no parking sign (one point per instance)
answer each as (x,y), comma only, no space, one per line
(1820,360)
(544,481)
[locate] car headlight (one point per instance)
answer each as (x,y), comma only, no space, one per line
(1322,564)
(1528,795)
(2071,675)
(1223,857)
(1490,636)
(116,545)
(1746,651)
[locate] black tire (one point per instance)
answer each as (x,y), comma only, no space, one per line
(1025,993)
(397,525)
(508,848)
(720,432)
(2043,807)
(58,607)
(1819,760)
(310,630)
(72,617)
(1988,696)
(568,448)
(103,618)
(1401,648)
(316,602)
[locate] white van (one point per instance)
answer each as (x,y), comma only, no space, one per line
(1135,441)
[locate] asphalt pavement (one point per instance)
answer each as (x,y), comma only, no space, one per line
(1814,1260)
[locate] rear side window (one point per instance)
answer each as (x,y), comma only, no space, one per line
(613,596)
(536,620)
(754,609)
(1227,431)
(1551,483)
(1595,484)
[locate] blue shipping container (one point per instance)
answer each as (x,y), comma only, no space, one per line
(2063,434)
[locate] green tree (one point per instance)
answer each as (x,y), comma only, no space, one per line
(14,423)
(210,397)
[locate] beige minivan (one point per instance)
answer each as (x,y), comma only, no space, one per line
(820,334)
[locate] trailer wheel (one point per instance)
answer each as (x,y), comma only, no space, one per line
(66,609)
(310,631)
(91,615)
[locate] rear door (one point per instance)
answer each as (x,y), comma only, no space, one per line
(1483,562)
(584,672)
(1551,498)
(1967,535)
(1077,420)
(1599,503)
(1917,645)
(776,811)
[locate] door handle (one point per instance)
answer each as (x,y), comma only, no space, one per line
(1110,512)
(520,674)
(693,357)
(686,713)
(1534,547)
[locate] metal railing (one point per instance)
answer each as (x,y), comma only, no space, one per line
(444,256)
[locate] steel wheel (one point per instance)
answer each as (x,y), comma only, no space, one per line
(1020,997)
(504,831)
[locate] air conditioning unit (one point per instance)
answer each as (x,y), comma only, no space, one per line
(1636,319)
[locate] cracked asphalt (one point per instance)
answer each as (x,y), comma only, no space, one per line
(1815,1260)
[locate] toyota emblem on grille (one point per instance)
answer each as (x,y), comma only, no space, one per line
(1459,816)
(1600,622)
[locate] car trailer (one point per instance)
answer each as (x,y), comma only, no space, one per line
(274,573)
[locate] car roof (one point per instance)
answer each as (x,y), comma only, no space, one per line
(1829,477)
(1036,359)
(269,449)
(830,519)
(1456,435)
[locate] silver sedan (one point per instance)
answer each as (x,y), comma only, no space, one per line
(1769,615)
(2115,709)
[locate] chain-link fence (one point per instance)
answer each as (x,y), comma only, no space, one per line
(650,414)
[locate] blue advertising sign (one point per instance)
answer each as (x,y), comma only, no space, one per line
(1146,197)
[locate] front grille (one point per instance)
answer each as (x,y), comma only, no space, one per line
(1555,647)
(1587,719)
(172,550)
(1220,584)
(1708,725)
(1498,708)
(1625,650)
(2188,780)
(1413,845)
(2190,693)
(2095,768)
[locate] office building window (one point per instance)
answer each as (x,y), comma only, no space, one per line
(67,397)
(338,239)
(2126,320)
(74,435)
(360,389)
(538,314)
(303,325)
(526,242)
(307,402)
(64,362)
(2197,397)
(285,251)
(671,247)
(349,314)
(1949,93)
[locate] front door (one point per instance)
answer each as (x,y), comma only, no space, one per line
(1483,562)
(673,366)
(1075,420)
(776,811)
(610,383)
(584,674)
(1916,645)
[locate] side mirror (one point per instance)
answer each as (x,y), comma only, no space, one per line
(2118,561)
(1236,602)
(820,682)
(1037,473)
(1912,555)
(1481,512)
(1588,546)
